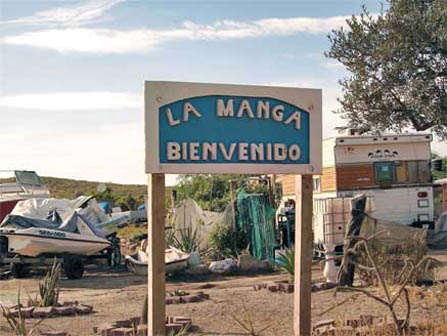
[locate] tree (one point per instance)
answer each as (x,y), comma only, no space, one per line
(212,192)
(398,67)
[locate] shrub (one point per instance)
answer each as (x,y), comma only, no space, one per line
(227,242)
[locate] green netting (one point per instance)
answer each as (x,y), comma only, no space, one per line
(255,216)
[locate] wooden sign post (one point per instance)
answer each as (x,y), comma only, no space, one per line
(199,128)
(156,255)
(303,254)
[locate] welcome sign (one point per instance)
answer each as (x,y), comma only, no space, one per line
(213,128)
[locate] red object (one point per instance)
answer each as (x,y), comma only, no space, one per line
(6,207)
(422,194)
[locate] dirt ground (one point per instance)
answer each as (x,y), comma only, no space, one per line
(119,295)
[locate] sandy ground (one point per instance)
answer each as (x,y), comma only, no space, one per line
(119,295)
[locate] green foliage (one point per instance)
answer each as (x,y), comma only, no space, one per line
(186,240)
(144,312)
(49,289)
(286,262)
(212,192)
(227,242)
(127,196)
(397,61)
(18,324)
(436,175)
(133,233)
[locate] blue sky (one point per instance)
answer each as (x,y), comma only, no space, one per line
(72,72)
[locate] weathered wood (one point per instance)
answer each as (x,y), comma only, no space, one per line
(345,276)
(303,254)
(156,254)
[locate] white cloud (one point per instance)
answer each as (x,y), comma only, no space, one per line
(331,91)
(86,12)
(333,65)
(107,41)
(62,101)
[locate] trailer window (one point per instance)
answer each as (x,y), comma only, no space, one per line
(384,172)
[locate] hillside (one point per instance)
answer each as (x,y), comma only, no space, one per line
(127,196)
(68,188)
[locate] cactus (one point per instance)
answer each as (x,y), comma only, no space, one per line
(17,324)
(49,288)
(144,313)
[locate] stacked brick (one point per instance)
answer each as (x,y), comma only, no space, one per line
(364,325)
(132,327)
(64,309)
(275,286)
(281,286)
(196,297)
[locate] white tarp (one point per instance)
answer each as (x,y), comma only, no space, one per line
(41,207)
(90,209)
(188,214)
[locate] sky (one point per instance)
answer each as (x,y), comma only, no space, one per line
(72,72)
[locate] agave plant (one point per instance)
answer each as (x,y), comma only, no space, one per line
(18,323)
(49,288)
(286,262)
(188,241)
(144,313)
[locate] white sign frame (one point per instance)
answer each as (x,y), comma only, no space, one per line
(159,93)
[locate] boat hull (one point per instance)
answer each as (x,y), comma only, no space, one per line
(175,261)
(35,242)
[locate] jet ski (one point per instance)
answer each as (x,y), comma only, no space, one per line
(34,237)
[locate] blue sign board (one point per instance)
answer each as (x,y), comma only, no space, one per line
(233,129)
(225,128)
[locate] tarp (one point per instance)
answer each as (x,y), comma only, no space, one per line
(188,214)
(70,224)
(41,207)
(62,213)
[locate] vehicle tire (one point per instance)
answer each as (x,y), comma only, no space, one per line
(18,270)
(73,267)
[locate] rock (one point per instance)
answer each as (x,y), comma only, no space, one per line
(199,269)
(223,266)
(247,263)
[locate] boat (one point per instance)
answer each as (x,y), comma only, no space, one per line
(34,237)
(175,260)
(18,185)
